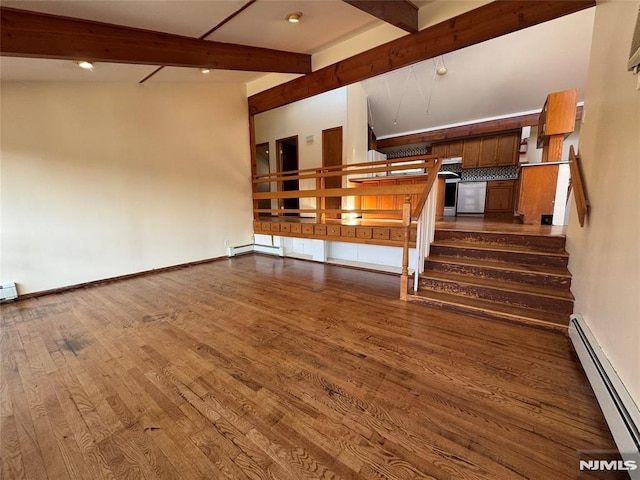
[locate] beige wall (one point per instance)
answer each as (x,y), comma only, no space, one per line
(104,180)
(605,254)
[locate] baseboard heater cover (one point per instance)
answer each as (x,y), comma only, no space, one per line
(254,247)
(619,409)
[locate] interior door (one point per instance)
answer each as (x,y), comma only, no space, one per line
(332,155)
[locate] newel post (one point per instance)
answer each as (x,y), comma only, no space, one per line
(406,223)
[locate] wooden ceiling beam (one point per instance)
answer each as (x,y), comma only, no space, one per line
(484,23)
(401,13)
(38,35)
(470,130)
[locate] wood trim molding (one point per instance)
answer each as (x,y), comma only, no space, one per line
(484,23)
(104,281)
(472,129)
(39,35)
(400,13)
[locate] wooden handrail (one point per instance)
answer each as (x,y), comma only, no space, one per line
(342,192)
(404,163)
(431,178)
(577,183)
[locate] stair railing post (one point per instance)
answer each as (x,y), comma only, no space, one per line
(406,223)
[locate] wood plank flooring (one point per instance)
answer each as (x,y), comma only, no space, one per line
(267,368)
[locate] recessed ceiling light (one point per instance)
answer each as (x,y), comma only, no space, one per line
(205,70)
(84,64)
(293,17)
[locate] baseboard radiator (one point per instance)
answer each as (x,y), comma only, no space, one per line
(619,409)
(254,247)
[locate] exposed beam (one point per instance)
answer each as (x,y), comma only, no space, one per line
(401,13)
(482,128)
(39,35)
(484,23)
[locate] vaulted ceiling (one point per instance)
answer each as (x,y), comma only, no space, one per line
(499,77)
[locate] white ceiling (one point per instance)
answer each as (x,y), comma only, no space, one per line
(499,77)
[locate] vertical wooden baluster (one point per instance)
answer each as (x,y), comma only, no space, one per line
(319,205)
(406,222)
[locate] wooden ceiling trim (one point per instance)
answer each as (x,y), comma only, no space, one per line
(39,35)
(481,128)
(484,23)
(401,13)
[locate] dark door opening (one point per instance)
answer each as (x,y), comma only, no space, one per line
(288,162)
(262,168)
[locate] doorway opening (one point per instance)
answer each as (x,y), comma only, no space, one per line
(263,168)
(287,149)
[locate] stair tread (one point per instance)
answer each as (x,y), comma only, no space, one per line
(499,232)
(498,248)
(502,265)
(495,309)
(508,286)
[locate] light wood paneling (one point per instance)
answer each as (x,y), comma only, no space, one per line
(262,367)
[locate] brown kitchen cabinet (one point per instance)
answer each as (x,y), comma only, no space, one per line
(448,149)
(387,202)
(491,150)
(500,198)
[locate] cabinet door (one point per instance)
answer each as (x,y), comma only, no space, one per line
(500,196)
(488,151)
(440,149)
(369,202)
(387,202)
(455,148)
(507,149)
(471,152)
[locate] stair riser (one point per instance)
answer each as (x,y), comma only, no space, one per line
(521,299)
(500,256)
(558,325)
(525,278)
(539,243)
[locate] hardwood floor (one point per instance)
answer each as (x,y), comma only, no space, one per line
(268,368)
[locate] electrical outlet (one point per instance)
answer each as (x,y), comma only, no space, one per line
(226,243)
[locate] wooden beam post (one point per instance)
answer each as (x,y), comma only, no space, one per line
(401,13)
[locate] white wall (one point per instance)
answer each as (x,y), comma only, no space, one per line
(605,254)
(102,180)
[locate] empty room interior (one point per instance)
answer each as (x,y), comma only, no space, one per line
(291,239)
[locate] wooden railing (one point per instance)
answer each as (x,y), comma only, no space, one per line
(577,184)
(409,213)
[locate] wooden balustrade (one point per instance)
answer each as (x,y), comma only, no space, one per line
(317,229)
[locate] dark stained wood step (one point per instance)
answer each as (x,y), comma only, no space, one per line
(559,278)
(514,254)
(511,293)
(493,310)
(544,243)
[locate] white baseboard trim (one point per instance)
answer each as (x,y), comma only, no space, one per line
(254,247)
(619,409)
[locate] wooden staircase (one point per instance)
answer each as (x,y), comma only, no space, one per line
(514,277)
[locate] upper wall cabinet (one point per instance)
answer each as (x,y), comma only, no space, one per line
(491,151)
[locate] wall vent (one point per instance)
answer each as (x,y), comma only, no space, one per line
(8,291)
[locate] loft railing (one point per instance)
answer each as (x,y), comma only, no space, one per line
(409,213)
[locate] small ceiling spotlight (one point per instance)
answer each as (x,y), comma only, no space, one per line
(84,64)
(293,17)
(205,70)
